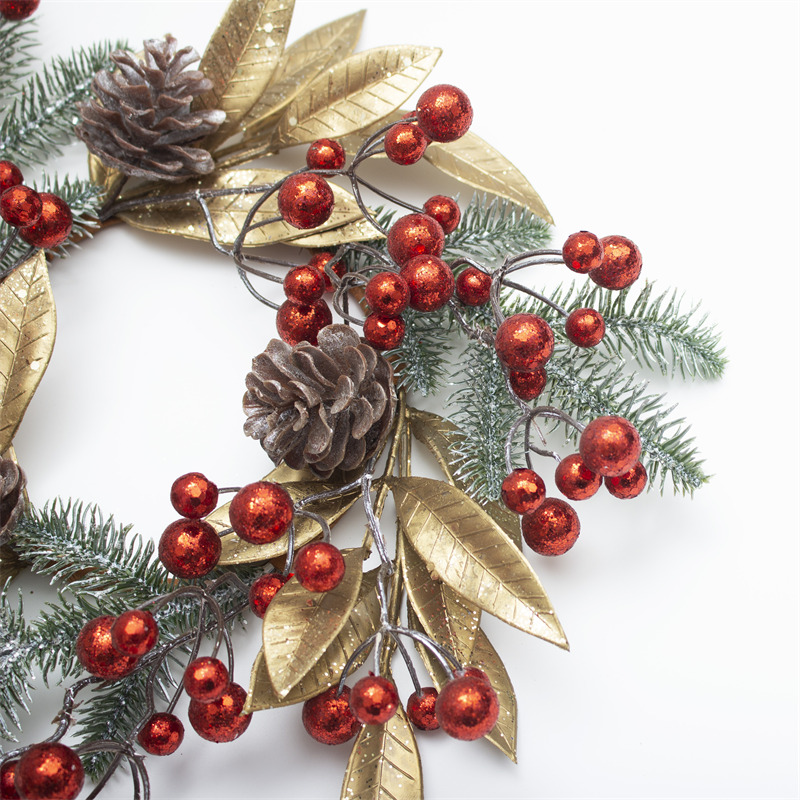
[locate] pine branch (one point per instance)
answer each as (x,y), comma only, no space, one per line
(16,41)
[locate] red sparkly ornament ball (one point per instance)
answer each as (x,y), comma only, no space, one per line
(222,719)
(328,717)
(622,263)
(193,495)
(610,446)
(320,259)
(575,480)
(134,633)
(15,10)
(263,590)
(97,654)
(49,771)
(582,252)
(444,113)
(319,567)
(161,735)
(467,708)
(20,206)
(628,485)
(473,286)
(474,672)
(205,679)
(383,332)
(53,226)
(551,529)
(414,235)
(585,327)
(374,700)
(421,708)
(7,789)
(325,154)
(444,210)
(189,548)
(387,293)
(524,342)
(430,282)
(528,385)
(298,322)
(304,284)
(10,175)
(261,512)
(405,143)
(305,200)
(522,490)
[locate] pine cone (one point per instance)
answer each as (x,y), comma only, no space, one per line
(12,500)
(142,120)
(325,407)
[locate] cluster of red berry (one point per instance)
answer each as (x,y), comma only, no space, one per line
(45,771)
(16,10)
(43,219)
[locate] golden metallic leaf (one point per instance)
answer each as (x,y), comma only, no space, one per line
(229,212)
(358,231)
(27,335)
(300,625)
(360,625)
(476,163)
(356,92)
(472,554)
(439,435)
(384,763)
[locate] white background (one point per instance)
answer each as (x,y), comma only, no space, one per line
(673,123)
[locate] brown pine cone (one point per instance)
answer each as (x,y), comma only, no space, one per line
(141,120)
(325,407)
(12,499)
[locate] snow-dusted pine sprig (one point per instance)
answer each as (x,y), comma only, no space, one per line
(16,42)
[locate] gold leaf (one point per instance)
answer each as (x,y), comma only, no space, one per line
(355,93)
(472,554)
(300,625)
(439,435)
(384,763)
(476,163)
(229,212)
(358,231)
(27,335)
(360,625)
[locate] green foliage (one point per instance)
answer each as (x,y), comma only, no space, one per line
(16,42)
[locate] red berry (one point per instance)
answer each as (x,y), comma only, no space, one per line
(302,323)
(610,446)
(524,342)
(328,717)
(414,235)
(444,210)
(474,672)
(384,333)
(263,590)
(10,175)
(7,789)
(444,113)
(205,679)
(305,200)
(374,700)
(528,385)
(319,567)
(161,735)
(585,327)
(582,252)
(20,206)
(134,633)
(405,143)
(49,771)
(467,708)
(261,512)
(189,548)
(430,282)
(421,708)
(622,263)
(325,154)
(552,528)
(193,495)
(387,293)
(96,653)
(320,259)
(304,284)
(222,719)
(629,484)
(53,226)
(575,480)
(16,10)
(473,286)
(522,490)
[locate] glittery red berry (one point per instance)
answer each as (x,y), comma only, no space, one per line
(263,590)
(53,226)
(430,282)
(383,332)
(585,327)
(474,672)
(575,480)
(10,175)
(629,484)
(134,633)
(49,771)
(161,735)
(319,567)
(421,708)
(222,719)
(387,293)
(189,548)
(552,528)
(328,717)
(16,10)
(528,385)
(261,512)
(524,342)
(610,446)
(473,286)
(96,653)
(193,495)
(467,708)
(320,259)
(582,252)
(305,200)
(405,143)
(7,789)
(297,322)
(622,263)
(522,490)
(304,284)
(374,700)
(325,154)
(205,679)
(20,206)
(444,113)
(414,235)
(444,210)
